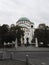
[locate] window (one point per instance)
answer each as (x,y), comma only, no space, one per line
(31,26)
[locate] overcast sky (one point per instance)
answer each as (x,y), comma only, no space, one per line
(35,10)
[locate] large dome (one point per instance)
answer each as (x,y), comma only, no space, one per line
(23,19)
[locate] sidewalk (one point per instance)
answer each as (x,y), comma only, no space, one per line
(19,53)
(31,49)
(12,62)
(26,49)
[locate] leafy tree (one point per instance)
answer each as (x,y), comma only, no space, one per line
(10,34)
(19,33)
(42,34)
(3,31)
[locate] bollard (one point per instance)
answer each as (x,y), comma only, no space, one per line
(27,59)
(43,63)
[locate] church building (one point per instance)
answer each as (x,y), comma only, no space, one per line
(28,28)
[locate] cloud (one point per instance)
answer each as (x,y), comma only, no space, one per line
(36,10)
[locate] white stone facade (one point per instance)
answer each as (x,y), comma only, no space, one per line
(28,27)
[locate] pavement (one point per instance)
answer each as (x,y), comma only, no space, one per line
(26,49)
(31,48)
(11,62)
(36,55)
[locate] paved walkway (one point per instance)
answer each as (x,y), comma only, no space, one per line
(12,62)
(35,56)
(31,48)
(28,48)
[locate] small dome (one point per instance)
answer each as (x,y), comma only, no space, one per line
(23,19)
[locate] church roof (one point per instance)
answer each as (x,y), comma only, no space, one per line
(23,19)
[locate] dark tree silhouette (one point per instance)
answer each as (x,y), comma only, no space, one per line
(42,34)
(3,31)
(19,33)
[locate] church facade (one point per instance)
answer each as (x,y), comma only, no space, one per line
(28,28)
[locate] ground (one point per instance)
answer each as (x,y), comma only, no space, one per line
(36,55)
(11,62)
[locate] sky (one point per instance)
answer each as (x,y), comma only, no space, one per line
(37,11)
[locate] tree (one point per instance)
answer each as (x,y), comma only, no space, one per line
(10,34)
(4,29)
(19,33)
(42,34)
